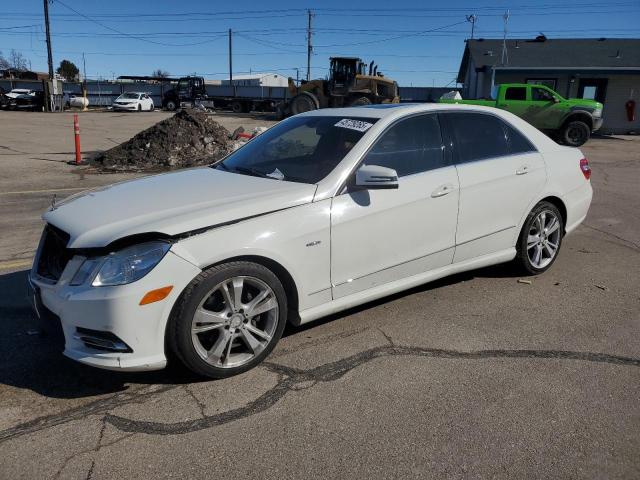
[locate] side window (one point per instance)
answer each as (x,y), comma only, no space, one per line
(477,136)
(516,93)
(411,146)
(540,95)
(518,143)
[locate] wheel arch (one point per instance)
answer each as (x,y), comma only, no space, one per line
(580,116)
(552,199)
(559,204)
(280,271)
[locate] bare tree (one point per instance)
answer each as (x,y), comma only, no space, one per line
(160,73)
(17,61)
(4,63)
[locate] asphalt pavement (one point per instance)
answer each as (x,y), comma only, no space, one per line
(474,376)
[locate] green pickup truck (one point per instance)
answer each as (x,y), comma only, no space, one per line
(569,120)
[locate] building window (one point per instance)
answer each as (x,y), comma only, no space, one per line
(547,82)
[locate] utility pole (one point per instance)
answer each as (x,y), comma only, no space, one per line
(84,86)
(46,22)
(297,76)
(309,47)
(505,55)
(472,19)
(230,61)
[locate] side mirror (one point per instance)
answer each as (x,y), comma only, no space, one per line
(375,177)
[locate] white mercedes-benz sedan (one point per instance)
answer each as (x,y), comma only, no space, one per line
(325,210)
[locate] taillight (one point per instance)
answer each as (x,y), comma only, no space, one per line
(586,169)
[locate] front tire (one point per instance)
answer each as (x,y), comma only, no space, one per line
(228,319)
(540,239)
(304,102)
(576,133)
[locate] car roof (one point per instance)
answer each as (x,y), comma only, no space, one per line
(395,110)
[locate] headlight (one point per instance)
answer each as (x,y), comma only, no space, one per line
(122,267)
(597,112)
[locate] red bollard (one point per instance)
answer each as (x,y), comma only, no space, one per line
(76,132)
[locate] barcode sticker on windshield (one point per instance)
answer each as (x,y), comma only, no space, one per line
(358,125)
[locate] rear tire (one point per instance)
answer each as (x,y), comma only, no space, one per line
(213,333)
(236,107)
(576,133)
(171,105)
(360,101)
(540,239)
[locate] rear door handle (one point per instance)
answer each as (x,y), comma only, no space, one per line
(522,170)
(442,190)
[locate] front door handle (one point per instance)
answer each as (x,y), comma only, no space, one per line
(442,190)
(522,170)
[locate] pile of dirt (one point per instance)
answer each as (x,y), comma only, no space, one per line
(189,138)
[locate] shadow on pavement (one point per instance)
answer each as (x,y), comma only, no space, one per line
(31,354)
(31,351)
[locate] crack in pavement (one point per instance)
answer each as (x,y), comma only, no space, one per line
(97,407)
(292,379)
(99,446)
(626,243)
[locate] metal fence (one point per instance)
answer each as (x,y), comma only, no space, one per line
(104,93)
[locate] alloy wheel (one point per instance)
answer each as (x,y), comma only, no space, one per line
(235,322)
(543,239)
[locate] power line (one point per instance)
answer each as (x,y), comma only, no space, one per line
(126,34)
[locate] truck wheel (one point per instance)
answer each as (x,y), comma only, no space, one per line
(576,133)
(236,107)
(171,105)
(359,101)
(303,103)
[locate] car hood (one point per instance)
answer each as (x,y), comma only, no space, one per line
(171,204)
(583,102)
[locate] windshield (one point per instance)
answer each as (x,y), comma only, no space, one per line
(300,149)
(130,95)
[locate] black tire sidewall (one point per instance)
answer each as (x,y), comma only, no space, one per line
(576,124)
(179,330)
(361,101)
(302,99)
(522,256)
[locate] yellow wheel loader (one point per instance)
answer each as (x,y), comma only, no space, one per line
(349,84)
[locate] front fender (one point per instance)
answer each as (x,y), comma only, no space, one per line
(296,238)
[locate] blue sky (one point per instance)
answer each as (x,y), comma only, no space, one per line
(418,43)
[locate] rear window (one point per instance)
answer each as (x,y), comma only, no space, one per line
(516,93)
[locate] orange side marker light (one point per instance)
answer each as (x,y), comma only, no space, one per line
(156,295)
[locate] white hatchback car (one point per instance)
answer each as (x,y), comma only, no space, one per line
(133,101)
(326,210)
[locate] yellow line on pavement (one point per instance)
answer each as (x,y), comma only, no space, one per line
(46,191)
(15,264)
